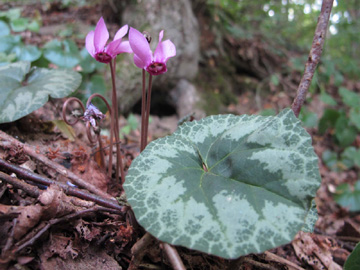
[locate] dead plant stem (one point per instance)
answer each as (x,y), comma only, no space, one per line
(57,167)
(314,56)
(26,174)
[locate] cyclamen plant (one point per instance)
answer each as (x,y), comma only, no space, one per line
(226,185)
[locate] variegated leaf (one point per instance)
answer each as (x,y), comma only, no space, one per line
(227,185)
(20,95)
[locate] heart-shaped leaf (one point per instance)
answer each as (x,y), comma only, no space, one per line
(23,91)
(4,29)
(62,53)
(26,52)
(227,185)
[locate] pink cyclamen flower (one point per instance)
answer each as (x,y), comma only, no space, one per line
(155,63)
(96,40)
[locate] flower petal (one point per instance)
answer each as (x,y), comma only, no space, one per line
(112,48)
(125,47)
(140,46)
(89,43)
(139,63)
(121,32)
(164,51)
(101,35)
(161,35)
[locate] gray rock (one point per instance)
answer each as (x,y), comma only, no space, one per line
(186,100)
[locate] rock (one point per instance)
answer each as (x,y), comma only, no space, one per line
(186,100)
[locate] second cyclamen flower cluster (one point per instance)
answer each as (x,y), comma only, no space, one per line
(144,58)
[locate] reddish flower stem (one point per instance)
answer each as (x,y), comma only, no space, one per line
(115,119)
(148,104)
(314,56)
(143,111)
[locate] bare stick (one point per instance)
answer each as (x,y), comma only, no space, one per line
(29,189)
(274,257)
(26,174)
(58,220)
(58,168)
(173,257)
(139,250)
(314,56)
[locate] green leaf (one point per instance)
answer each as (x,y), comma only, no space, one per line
(21,96)
(309,119)
(34,26)
(328,120)
(63,54)
(6,59)
(351,157)
(353,261)
(4,29)
(26,52)
(344,133)
(88,63)
(330,160)
(348,197)
(350,98)
(11,14)
(268,112)
(19,24)
(354,117)
(327,99)
(227,185)
(8,42)
(311,218)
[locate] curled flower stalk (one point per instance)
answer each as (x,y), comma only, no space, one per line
(96,45)
(92,116)
(154,64)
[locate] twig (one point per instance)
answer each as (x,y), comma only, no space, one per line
(58,220)
(282,260)
(139,249)
(58,168)
(173,257)
(26,174)
(314,56)
(236,264)
(29,189)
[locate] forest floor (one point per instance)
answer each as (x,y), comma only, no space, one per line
(54,228)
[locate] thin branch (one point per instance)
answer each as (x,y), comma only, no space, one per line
(72,191)
(29,189)
(58,168)
(81,213)
(173,257)
(274,257)
(314,56)
(139,250)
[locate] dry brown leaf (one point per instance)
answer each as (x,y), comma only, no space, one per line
(29,216)
(314,251)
